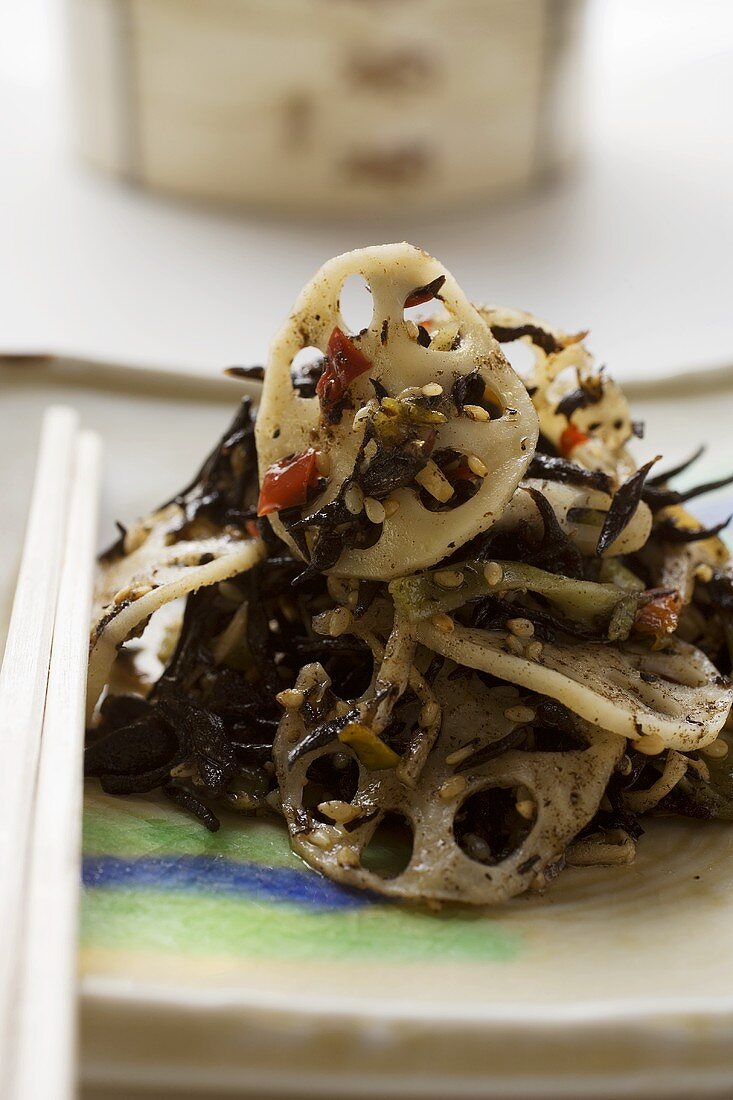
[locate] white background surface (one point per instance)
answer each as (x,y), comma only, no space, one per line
(637,245)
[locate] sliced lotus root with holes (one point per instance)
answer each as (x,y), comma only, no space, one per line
(412,536)
(669,698)
(151,570)
(580,511)
(594,425)
(548,797)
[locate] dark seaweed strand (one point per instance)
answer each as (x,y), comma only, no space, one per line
(625,502)
(657,497)
(506,334)
(337,527)
(253,373)
(322,735)
(217,490)
(187,800)
(556,552)
(429,291)
(391,468)
(554,468)
(219,718)
(668,531)
(117,548)
(720,590)
(668,475)
(492,612)
(225,487)
(492,750)
(582,398)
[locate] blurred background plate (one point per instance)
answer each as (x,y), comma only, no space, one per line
(219,964)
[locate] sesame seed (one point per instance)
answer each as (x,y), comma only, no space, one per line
(477,848)
(493,573)
(459,755)
(452,787)
(290,699)
(526,808)
(716,750)
(434,482)
(132,592)
(342,812)
(514,645)
(443,623)
(449,578)
(534,651)
(650,744)
(324,837)
(520,714)
(432,390)
(391,506)
(323,463)
(374,510)
(347,857)
(476,412)
(476,466)
(354,499)
(429,714)
(183,771)
(523,628)
(274,801)
(341,621)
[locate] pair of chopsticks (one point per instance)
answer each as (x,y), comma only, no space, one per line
(42,690)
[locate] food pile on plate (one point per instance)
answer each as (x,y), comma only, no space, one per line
(429,611)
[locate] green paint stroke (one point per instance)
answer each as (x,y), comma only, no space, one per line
(132,827)
(120,920)
(196,924)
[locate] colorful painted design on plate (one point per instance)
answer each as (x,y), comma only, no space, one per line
(157,881)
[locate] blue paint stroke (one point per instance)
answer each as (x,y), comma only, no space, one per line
(216,875)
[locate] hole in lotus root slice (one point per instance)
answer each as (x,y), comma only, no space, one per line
(493,823)
(389,851)
(355,304)
(557,795)
(669,698)
(567,388)
(410,537)
(580,512)
(132,587)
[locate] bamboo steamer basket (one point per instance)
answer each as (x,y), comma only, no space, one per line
(336,106)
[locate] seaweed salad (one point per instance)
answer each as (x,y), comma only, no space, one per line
(412,594)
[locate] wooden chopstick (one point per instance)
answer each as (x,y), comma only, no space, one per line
(23,683)
(47,988)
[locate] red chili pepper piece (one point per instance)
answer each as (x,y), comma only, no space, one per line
(571,438)
(286,483)
(660,615)
(344,363)
(422,294)
(252,529)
